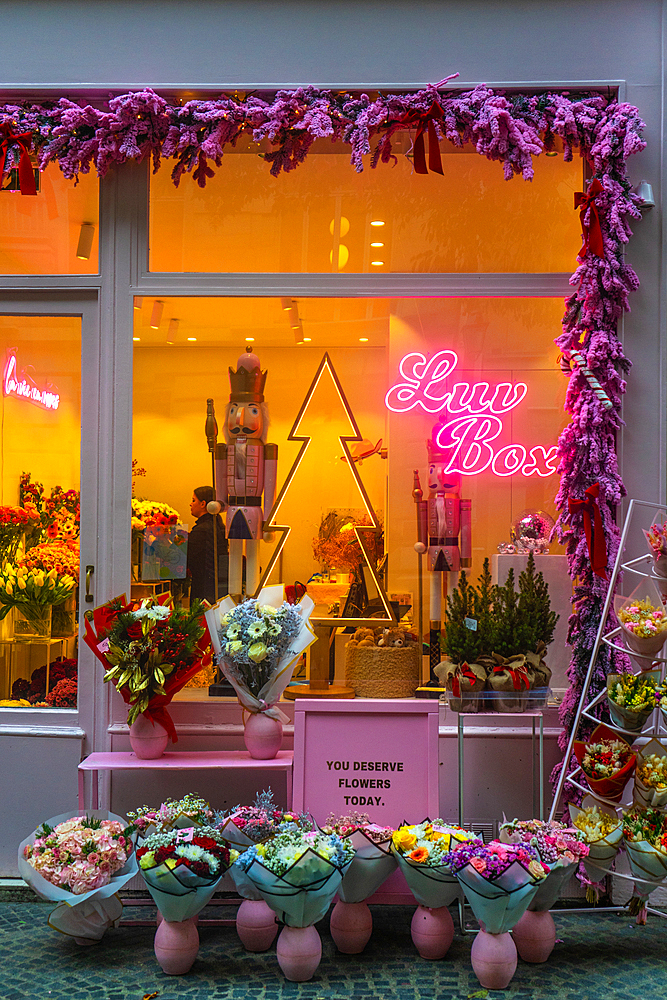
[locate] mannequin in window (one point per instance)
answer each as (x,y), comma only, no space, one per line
(201,550)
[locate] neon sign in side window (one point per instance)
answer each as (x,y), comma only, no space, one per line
(24,387)
(470,436)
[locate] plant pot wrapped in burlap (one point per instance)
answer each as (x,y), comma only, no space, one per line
(466,684)
(382,672)
(541,671)
(511,679)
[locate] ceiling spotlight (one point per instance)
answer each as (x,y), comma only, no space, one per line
(156,314)
(298,335)
(250,340)
(363,340)
(286,304)
(377,263)
(377,244)
(173,327)
(138,301)
(552,152)
(307,340)
(377,222)
(192,339)
(85,244)
(136,338)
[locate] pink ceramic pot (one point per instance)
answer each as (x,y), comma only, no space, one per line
(535,935)
(494,959)
(351,925)
(299,951)
(147,739)
(256,925)
(432,931)
(263,736)
(176,946)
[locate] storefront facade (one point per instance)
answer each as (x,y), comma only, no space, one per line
(475,266)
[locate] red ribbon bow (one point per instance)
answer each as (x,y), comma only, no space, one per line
(591,230)
(595,539)
(462,671)
(518,676)
(24,142)
(426,123)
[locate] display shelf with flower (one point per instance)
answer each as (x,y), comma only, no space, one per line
(149,651)
(643,621)
(34,690)
(631,698)
(57,514)
(645,841)
(257,644)
(607,761)
(603,833)
(351,923)
(81,862)
(651,776)
(182,868)
(656,536)
(162,519)
(15,522)
(33,593)
(298,872)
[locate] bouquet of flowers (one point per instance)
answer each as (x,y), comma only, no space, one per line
(149,512)
(173,814)
(14,522)
(373,861)
(34,592)
(182,867)
(645,837)
(298,872)
(559,848)
(631,698)
(52,516)
(60,555)
(246,825)
(257,644)
(149,652)
(643,620)
(82,862)
(499,880)
(603,832)
(607,760)
(656,536)
(424,852)
(651,776)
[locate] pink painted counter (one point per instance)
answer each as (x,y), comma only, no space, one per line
(185,761)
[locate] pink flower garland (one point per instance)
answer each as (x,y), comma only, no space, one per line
(511,128)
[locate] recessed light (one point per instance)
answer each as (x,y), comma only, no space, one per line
(363,340)
(307,340)
(192,339)
(136,338)
(377,263)
(377,244)
(170,343)
(250,340)
(377,222)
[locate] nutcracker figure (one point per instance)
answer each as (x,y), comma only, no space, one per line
(246,471)
(444,527)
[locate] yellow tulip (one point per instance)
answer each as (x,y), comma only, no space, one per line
(52,575)
(21,582)
(9,588)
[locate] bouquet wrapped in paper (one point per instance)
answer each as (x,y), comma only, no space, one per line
(631,698)
(373,860)
(603,833)
(656,536)
(645,838)
(499,881)
(423,852)
(257,644)
(643,620)
(182,868)
(298,872)
(559,848)
(172,814)
(80,862)
(651,776)
(150,650)
(607,760)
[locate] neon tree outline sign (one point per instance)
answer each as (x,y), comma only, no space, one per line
(24,387)
(476,412)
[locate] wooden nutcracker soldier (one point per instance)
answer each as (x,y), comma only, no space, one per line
(246,470)
(444,532)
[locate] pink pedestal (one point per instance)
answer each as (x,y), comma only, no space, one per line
(256,925)
(494,960)
(351,925)
(176,946)
(263,736)
(299,952)
(432,931)
(535,935)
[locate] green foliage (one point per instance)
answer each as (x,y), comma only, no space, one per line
(535,606)
(461,643)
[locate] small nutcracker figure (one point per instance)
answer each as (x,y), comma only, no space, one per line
(246,470)
(444,532)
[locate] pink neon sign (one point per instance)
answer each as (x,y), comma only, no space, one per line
(475,411)
(24,386)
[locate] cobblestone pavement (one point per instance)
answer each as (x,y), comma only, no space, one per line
(601,957)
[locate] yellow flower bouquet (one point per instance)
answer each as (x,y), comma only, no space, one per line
(33,592)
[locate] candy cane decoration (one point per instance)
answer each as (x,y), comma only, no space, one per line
(580,362)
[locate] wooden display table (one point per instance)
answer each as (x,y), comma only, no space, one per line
(185,761)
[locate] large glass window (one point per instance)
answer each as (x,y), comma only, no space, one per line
(40,445)
(325,217)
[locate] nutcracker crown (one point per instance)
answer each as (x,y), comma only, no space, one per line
(247,382)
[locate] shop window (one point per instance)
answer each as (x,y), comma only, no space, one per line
(325,217)
(40,444)
(503,344)
(52,232)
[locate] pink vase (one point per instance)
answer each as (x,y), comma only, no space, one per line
(432,931)
(176,946)
(148,739)
(263,736)
(256,925)
(535,935)
(351,925)
(494,959)
(299,951)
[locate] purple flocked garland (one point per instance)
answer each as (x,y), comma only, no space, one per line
(511,128)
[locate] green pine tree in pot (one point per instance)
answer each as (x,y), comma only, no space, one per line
(463,644)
